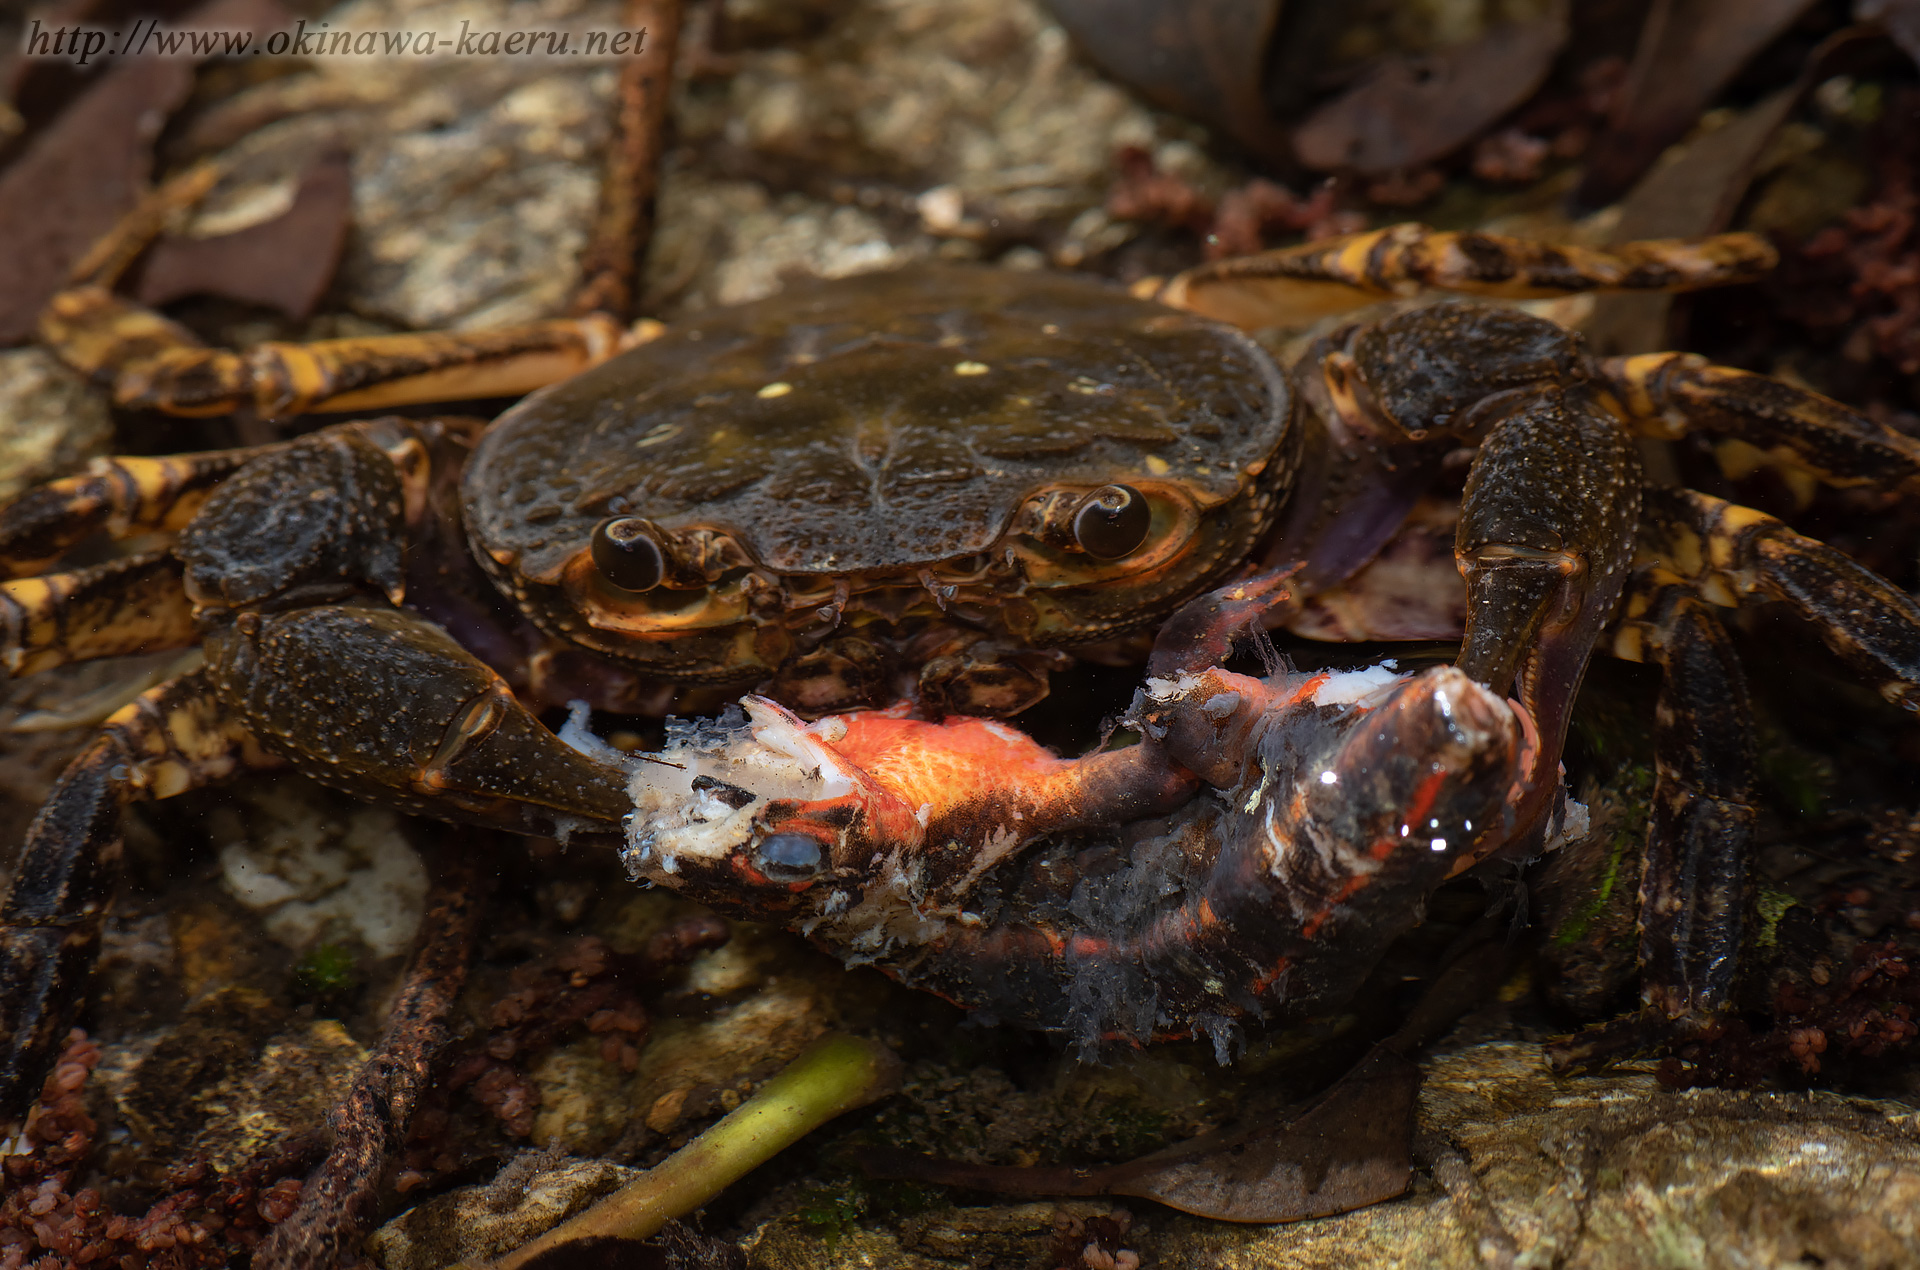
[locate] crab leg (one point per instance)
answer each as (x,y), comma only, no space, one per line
(1735,555)
(1695,877)
(376,701)
(134,605)
(1294,285)
(1667,394)
(121,496)
(156,364)
(171,739)
(294,570)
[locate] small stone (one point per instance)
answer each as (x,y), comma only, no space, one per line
(665,1112)
(51,420)
(319,868)
(477,1223)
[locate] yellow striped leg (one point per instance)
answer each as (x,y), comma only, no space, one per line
(1295,285)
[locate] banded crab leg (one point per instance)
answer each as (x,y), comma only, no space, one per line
(1696,552)
(1292,286)
(171,739)
(153,363)
(119,496)
(1696,872)
(293,566)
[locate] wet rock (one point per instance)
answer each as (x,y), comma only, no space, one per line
(695,1070)
(991,1235)
(736,1015)
(51,420)
(1610,1171)
(529,1197)
(583,1103)
(236,1076)
(1617,1171)
(861,137)
(474,178)
(317,868)
(898,132)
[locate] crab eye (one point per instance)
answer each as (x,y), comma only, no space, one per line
(789,857)
(627,554)
(1112,522)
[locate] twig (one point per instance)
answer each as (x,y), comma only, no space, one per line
(623,227)
(338,1199)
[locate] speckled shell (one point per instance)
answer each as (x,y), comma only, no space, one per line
(879,422)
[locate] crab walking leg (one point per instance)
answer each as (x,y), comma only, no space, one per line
(1695,879)
(1666,395)
(1735,555)
(155,364)
(364,697)
(174,738)
(120,496)
(1294,285)
(1693,889)
(135,605)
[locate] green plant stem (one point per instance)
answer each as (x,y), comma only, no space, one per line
(832,1076)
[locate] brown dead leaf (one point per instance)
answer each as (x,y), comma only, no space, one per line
(1899,18)
(1407,111)
(1203,58)
(284,263)
(1688,51)
(1697,189)
(77,178)
(1350,1147)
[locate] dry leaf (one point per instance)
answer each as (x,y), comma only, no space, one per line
(1203,58)
(76,179)
(1407,111)
(284,263)
(1688,52)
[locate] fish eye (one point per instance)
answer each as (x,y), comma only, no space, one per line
(628,555)
(1112,522)
(789,857)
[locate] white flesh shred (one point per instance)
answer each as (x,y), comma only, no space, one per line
(767,751)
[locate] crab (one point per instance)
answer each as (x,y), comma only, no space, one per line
(933,480)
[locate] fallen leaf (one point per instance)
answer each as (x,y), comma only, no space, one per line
(1696,190)
(1899,18)
(1348,1148)
(1407,111)
(284,263)
(78,177)
(1689,50)
(76,180)
(1204,58)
